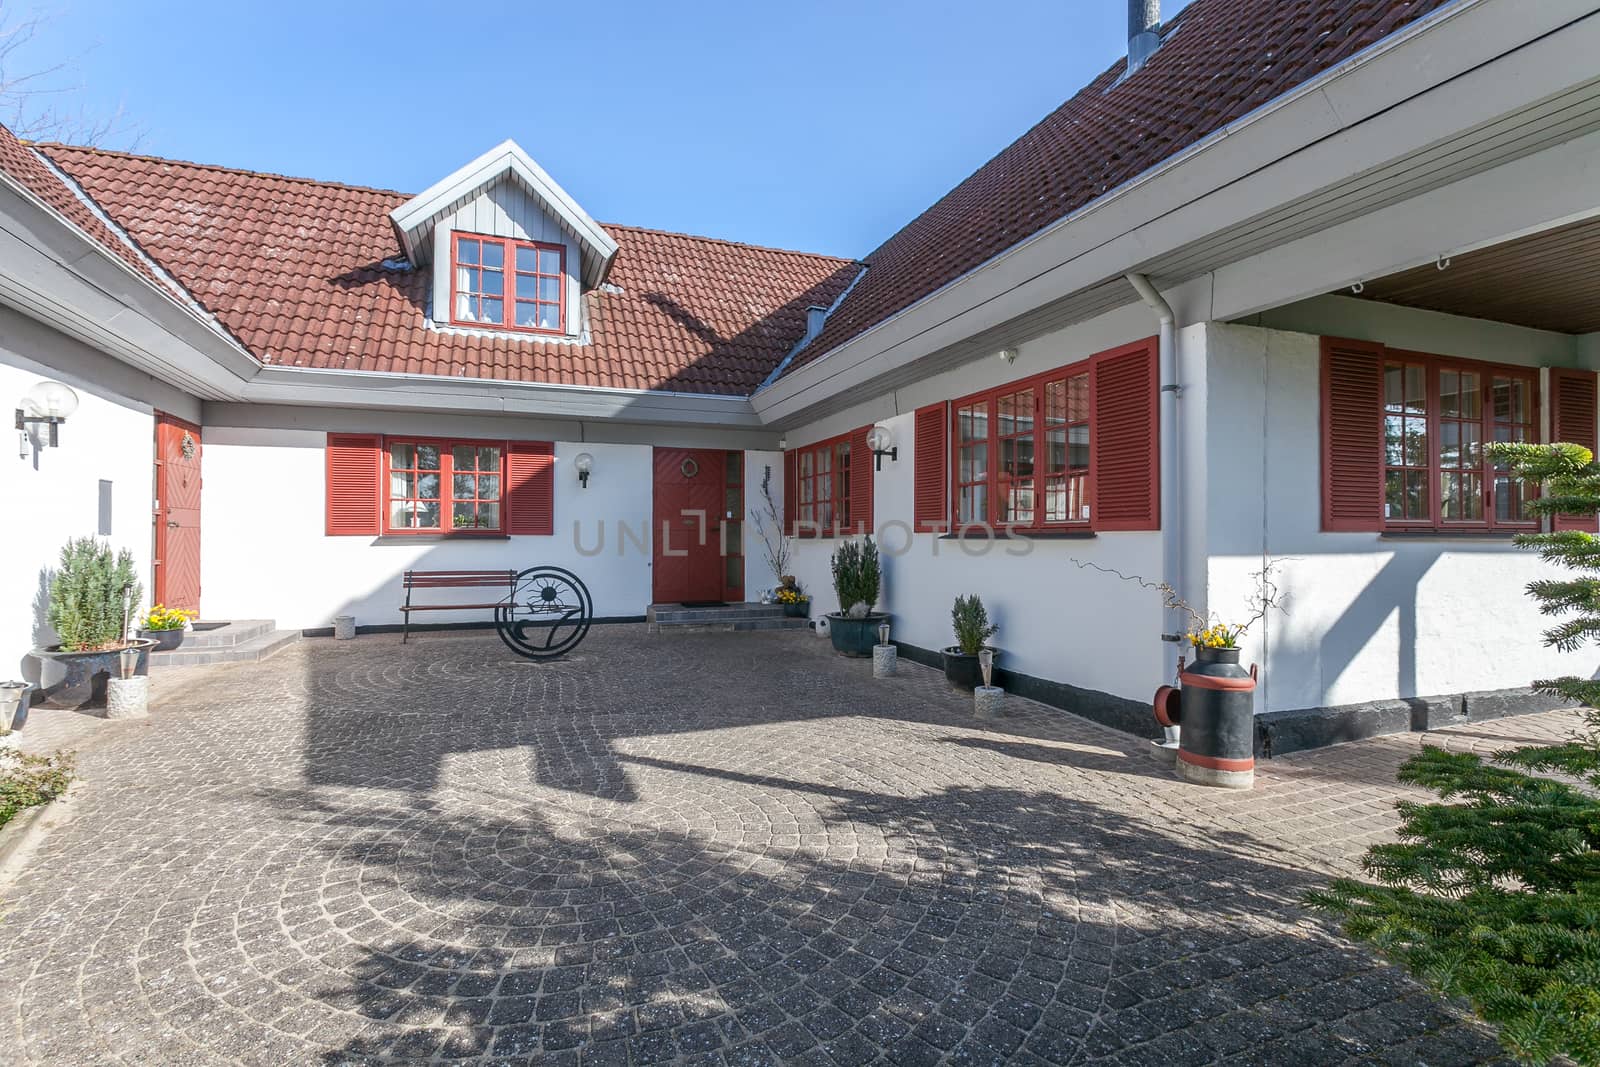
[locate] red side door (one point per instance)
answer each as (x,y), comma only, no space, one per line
(177,514)
(687,531)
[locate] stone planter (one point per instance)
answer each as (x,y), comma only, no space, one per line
(76,680)
(855,637)
(961,670)
(165,640)
(885,661)
(128,698)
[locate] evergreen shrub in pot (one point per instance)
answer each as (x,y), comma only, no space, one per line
(970,620)
(857,577)
(93,595)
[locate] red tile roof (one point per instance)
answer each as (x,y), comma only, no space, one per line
(20,162)
(296,270)
(1219,60)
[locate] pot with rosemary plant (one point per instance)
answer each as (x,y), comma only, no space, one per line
(165,626)
(857,578)
(93,595)
(970,620)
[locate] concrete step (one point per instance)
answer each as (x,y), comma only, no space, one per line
(676,615)
(729,626)
(218,634)
(250,650)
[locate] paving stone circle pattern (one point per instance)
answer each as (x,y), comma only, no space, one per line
(718,848)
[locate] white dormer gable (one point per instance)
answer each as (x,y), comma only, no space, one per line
(529,221)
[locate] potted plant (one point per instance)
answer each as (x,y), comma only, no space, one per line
(92,598)
(165,626)
(856,579)
(970,620)
(796,605)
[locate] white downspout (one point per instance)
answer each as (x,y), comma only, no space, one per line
(1171,486)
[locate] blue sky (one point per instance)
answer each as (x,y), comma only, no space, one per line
(822,126)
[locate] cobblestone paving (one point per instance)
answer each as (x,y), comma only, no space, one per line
(709,847)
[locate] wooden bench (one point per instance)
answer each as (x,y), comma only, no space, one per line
(415,580)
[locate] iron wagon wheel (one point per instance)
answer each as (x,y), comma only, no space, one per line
(548,613)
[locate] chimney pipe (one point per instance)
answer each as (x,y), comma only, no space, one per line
(1144,32)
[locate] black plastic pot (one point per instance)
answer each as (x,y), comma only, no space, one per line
(797,611)
(76,680)
(166,640)
(963,671)
(854,637)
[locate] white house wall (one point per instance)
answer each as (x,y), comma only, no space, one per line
(1058,621)
(263,558)
(55,493)
(505,209)
(1366,618)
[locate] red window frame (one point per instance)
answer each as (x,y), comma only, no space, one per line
(1432,422)
(808,482)
(1075,481)
(447,498)
(510,294)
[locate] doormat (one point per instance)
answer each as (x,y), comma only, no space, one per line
(703,603)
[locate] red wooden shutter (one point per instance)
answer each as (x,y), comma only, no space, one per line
(929,456)
(1126,456)
(353,484)
(1352,435)
(861,470)
(530,487)
(1573,409)
(791,493)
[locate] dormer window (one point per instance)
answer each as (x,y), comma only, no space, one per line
(507,284)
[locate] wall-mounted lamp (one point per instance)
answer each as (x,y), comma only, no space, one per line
(1007,356)
(583,463)
(783,444)
(881,441)
(46,404)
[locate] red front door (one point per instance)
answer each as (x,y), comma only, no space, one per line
(690,488)
(177,514)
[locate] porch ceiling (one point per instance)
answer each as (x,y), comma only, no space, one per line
(1548,280)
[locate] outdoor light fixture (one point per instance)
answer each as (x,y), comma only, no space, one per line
(1007,355)
(583,463)
(783,444)
(986,665)
(883,633)
(46,404)
(879,439)
(128,660)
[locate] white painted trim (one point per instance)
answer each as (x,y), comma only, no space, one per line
(413,219)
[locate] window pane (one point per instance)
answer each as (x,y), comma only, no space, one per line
(464,457)
(1016,412)
(527,259)
(489,486)
(1055,403)
(1394,387)
(488,458)
(464,516)
(1461,497)
(1078,448)
(1078,398)
(1055,458)
(466,251)
(428,457)
(494,254)
(1416,389)
(427,515)
(549,317)
(550,290)
(401,515)
(463,486)
(549,261)
(974,463)
(401,485)
(1509,397)
(489,516)
(1511,498)
(1417,495)
(494,283)
(466,307)
(527,314)
(1449,394)
(1450,444)
(428,487)
(972,504)
(402,455)
(493,310)
(1416,443)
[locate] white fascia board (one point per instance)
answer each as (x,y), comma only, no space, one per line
(370,389)
(1145,217)
(412,219)
(60,276)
